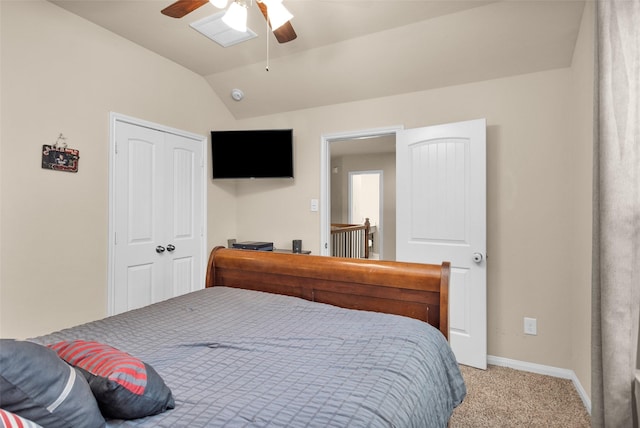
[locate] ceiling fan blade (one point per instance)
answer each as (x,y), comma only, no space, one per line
(183,7)
(283,34)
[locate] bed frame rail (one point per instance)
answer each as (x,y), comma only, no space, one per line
(414,290)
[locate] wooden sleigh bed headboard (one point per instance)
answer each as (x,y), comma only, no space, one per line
(414,290)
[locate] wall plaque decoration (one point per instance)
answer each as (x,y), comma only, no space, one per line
(60,158)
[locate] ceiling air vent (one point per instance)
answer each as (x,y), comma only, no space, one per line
(213,28)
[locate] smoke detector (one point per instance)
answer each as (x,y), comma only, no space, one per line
(237,94)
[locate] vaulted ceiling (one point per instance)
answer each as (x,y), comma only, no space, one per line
(348,50)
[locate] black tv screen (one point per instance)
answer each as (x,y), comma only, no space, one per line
(264,153)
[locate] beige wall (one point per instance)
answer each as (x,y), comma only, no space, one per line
(538,163)
(582,108)
(62,74)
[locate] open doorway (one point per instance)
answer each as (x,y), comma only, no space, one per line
(372,150)
(366,200)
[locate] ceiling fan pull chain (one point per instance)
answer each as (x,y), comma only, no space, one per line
(268,31)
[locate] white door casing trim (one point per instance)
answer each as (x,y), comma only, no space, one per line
(114,118)
(325,174)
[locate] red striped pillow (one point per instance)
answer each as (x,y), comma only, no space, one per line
(124,386)
(11,420)
(105,361)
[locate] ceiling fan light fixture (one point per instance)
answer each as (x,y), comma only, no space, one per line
(220,4)
(236,16)
(278,14)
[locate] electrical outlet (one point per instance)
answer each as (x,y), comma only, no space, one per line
(530,326)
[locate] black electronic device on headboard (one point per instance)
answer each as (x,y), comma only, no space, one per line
(264,153)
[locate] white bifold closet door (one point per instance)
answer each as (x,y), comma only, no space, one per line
(159,221)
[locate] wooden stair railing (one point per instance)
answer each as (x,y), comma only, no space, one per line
(350,240)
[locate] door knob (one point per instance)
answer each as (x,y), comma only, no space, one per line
(159,249)
(477,257)
(170,248)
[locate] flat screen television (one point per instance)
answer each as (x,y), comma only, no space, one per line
(263,153)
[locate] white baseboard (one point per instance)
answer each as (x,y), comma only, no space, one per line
(544,370)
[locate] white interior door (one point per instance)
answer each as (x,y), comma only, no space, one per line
(441,216)
(158,216)
(184,219)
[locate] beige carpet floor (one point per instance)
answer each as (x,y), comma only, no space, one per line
(503,397)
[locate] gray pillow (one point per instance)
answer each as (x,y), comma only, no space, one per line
(38,385)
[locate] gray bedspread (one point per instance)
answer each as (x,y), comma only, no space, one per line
(239,358)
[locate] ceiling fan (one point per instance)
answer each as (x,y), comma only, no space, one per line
(284,33)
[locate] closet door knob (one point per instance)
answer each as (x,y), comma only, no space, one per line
(170,248)
(159,249)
